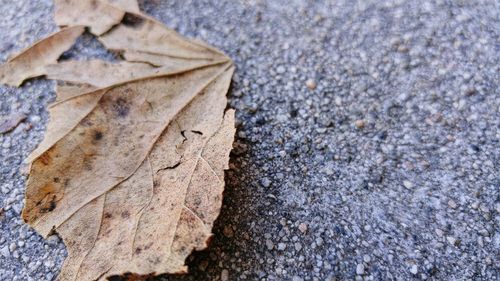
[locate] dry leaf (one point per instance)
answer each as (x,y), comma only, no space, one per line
(150,156)
(32,61)
(131,171)
(98,15)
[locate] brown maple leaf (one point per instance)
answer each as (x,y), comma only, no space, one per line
(131,171)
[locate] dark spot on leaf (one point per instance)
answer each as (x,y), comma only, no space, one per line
(50,206)
(121,107)
(97,135)
(197,132)
(56,179)
(107,215)
(125,214)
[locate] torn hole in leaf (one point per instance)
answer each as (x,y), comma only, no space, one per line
(132,20)
(87,47)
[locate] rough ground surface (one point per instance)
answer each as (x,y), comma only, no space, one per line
(387,170)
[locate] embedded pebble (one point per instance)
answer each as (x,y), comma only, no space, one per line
(360,269)
(311,84)
(302,227)
(414,269)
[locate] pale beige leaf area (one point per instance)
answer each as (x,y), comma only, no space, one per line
(131,170)
(32,61)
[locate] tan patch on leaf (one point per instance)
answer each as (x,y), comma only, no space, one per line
(32,61)
(103,74)
(149,36)
(69,90)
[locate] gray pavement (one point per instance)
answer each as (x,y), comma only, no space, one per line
(367,147)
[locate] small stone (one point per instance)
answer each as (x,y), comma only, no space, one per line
(452,240)
(329,169)
(319,241)
(407,184)
(360,269)
(338,101)
(360,124)
(281,246)
(414,269)
(228,231)
(484,208)
(281,69)
(266,182)
(5,252)
(366,258)
(5,189)
(35,119)
(452,204)
(52,240)
(311,84)
(224,275)
(297,278)
(321,130)
(303,227)
(269,244)
(12,247)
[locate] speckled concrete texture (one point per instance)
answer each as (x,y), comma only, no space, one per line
(368,143)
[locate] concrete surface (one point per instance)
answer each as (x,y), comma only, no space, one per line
(389,169)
